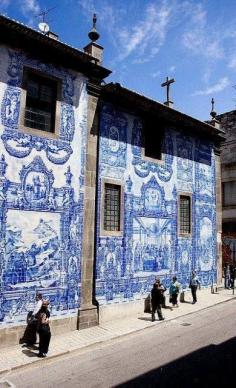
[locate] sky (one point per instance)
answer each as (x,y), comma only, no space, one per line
(145,41)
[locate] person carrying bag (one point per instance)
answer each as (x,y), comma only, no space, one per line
(44,329)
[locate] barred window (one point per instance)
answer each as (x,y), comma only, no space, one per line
(184,214)
(112,207)
(41,97)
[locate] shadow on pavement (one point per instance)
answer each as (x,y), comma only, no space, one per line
(29,353)
(146,318)
(212,366)
(186,302)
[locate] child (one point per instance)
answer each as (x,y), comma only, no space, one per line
(44,329)
(174,292)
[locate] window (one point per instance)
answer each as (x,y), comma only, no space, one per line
(153,138)
(184,214)
(41,99)
(229,193)
(112,207)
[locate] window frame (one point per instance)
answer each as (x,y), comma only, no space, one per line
(57,119)
(103,231)
(189,195)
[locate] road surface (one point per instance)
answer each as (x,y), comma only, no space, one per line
(198,350)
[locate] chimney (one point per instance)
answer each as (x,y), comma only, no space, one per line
(94,49)
(52,35)
(169,103)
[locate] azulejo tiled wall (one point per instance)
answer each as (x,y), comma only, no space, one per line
(150,245)
(41,195)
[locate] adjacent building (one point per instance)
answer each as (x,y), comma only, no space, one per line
(101,189)
(228,163)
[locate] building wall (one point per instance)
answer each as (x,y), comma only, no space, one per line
(149,244)
(228,166)
(228,123)
(41,195)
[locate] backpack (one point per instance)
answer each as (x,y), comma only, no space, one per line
(174,288)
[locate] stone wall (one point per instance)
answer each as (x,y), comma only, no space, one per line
(228,150)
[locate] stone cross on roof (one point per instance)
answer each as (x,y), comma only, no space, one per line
(167,83)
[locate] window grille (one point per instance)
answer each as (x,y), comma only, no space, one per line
(185,214)
(112,207)
(41,99)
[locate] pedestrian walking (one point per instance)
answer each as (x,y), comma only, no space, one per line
(233,276)
(157,299)
(174,292)
(194,283)
(44,329)
(227,276)
(39,302)
(30,334)
(161,285)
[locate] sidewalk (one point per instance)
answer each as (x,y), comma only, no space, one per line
(18,356)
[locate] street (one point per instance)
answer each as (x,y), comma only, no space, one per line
(197,350)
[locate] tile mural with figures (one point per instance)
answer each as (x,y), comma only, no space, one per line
(33,257)
(150,244)
(41,205)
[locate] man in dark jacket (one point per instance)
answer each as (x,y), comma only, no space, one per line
(193,285)
(157,295)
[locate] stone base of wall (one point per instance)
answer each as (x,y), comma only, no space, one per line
(113,311)
(10,336)
(88,317)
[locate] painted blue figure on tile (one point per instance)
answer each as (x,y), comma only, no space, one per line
(113,139)
(185,156)
(11,108)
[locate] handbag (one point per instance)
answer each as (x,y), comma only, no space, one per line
(148,304)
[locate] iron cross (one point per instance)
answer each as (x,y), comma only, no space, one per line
(167,84)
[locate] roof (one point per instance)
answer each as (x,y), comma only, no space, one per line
(231,112)
(142,105)
(40,45)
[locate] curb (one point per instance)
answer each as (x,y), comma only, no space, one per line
(85,347)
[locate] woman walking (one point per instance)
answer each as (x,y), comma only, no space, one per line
(174,292)
(44,329)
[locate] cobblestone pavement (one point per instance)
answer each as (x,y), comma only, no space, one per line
(18,356)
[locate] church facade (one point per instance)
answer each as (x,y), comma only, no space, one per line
(101,189)
(168,198)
